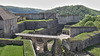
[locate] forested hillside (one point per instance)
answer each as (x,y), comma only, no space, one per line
(75,10)
(65,10)
(21,10)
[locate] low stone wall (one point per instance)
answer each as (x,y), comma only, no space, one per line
(8,42)
(77,30)
(80,45)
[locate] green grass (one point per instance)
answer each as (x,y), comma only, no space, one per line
(34,20)
(28,48)
(95,49)
(18,38)
(39,29)
(11,50)
(84,36)
(27,31)
(81,36)
(66,29)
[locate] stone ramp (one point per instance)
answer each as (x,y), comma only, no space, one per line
(62,36)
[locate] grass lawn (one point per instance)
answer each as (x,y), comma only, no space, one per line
(39,29)
(11,50)
(28,48)
(34,20)
(95,49)
(84,36)
(81,36)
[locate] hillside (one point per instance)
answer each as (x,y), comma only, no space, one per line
(75,10)
(21,10)
(65,10)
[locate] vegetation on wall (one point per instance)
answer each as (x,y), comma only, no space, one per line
(91,21)
(95,49)
(34,20)
(84,36)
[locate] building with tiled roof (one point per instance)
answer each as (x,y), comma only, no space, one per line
(8,23)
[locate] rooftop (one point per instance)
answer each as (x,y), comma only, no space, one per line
(5,14)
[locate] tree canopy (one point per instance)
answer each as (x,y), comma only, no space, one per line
(91,21)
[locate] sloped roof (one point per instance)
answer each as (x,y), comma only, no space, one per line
(5,14)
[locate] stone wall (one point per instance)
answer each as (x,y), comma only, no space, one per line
(1,33)
(35,25)
(68,19)
(52,23)
(51,27)
(8,42)
(46,15)
(21,27)
(1,24)
(77,30)
(10,27)
(80,45)
(65,32)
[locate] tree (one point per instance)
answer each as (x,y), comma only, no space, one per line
(89,23)
(87,18)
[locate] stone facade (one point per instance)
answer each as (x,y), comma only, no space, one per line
(1,33)
(8,23)
(77,30)
(64,19)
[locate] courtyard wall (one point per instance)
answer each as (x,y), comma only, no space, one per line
(77,30)
(79,45)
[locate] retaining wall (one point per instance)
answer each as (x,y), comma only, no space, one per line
(79,45)
(21,27)
(77,30)
(8,42)
(68,19)
(51,27)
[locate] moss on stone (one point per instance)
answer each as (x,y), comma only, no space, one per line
(39,29)
(84,36)
(66,29)
(94,49)
(34,20)
(27,31)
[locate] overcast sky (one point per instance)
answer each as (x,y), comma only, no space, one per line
(48,4)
